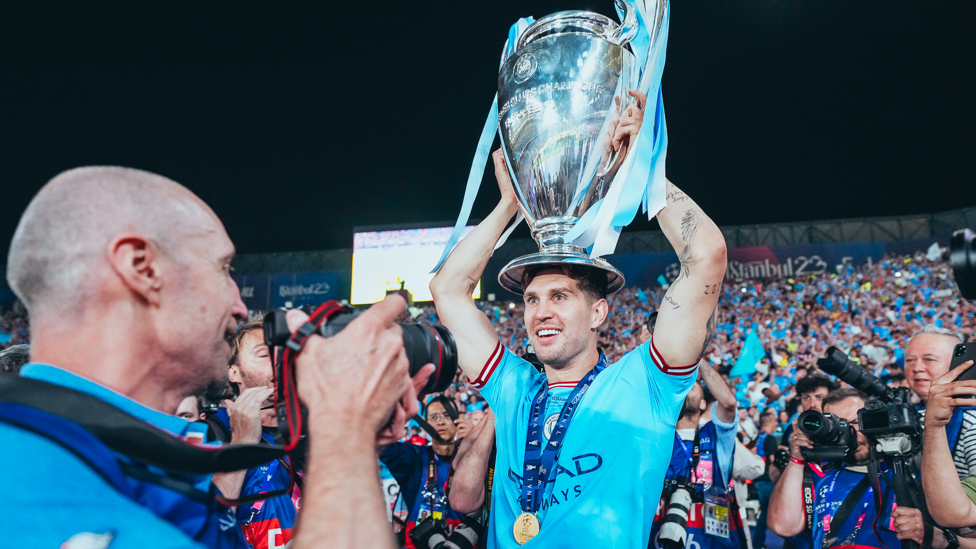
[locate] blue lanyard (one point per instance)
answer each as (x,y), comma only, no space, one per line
(539,462)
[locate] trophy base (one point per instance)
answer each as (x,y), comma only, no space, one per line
(510,277)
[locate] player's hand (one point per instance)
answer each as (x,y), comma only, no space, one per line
(358,378)
(502,176)
(630,121)
(946,393)
(798,441)
(463,428)
(245,415)
(909,526)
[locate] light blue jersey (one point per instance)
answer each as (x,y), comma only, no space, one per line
(611,467)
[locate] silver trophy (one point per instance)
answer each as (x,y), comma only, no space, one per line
(560,95)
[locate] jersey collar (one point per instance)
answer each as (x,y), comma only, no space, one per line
(64,378)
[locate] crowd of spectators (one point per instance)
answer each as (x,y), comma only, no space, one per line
(14,329)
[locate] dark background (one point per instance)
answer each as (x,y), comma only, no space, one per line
(299,121)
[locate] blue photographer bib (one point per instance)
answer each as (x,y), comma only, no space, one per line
(711,519)
(607,480)
(830,489)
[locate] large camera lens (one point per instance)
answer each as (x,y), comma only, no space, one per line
(836,363)
(822,428)
(423,344)
(963,268)
(435,345)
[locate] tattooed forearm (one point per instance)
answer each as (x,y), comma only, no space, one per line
(709,329)
(712,289)
(689,225)
(674,304)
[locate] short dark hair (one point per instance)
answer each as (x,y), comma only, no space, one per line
(813,382)
(447,403)
(13,358)
(843,394)
(590,280)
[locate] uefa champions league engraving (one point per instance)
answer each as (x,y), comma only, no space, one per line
(560,94)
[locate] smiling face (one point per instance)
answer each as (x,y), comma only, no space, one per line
(926,359)
(203,306)
(254,367)
(562,320)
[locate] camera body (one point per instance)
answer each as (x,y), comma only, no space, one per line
(888,415)
(423,344)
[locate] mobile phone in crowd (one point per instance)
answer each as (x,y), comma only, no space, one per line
(964,352)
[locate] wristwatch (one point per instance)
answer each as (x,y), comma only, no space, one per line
(951,539)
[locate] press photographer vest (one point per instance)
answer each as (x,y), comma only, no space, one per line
(680,468)
(831,488)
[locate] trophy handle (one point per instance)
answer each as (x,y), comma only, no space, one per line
(627,30)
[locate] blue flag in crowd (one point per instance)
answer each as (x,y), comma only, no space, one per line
(661,280)
(752,352)
(641,296)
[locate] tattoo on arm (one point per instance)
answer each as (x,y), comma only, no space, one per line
(672,301)
(709,330)
(712,289)
(689,225)
(676,195)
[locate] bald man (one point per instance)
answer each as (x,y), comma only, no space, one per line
(126,276)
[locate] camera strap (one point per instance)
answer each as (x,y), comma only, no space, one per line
(808,497)
(431,431)
(289,387)
(132,437)
(846,506)
(432,474)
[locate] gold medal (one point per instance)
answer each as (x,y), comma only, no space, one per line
(526,527)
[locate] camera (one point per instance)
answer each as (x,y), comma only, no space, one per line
(888,416)
(673,534)
(781,458)
(963,262)
(432,533)
(423,344)
(834,440)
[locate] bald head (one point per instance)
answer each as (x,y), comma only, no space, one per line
(61,244)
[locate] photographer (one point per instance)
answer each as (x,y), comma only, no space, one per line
(425,475)
(955,505)
(927,358)
(844,511)
(135,269)
(251,419)
(701,467)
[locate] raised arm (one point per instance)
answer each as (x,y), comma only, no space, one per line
(453,285)
(723,395)
(952,508)
(468,486)
(688,313)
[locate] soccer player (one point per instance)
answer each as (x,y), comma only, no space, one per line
(612,425)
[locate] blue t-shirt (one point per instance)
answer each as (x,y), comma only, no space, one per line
(51,495)
(611,467)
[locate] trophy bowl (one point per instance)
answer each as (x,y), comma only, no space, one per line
(560,95)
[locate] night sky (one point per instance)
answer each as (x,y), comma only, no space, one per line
(297,122)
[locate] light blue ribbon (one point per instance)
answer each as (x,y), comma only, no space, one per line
(474,180)
(483,151)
